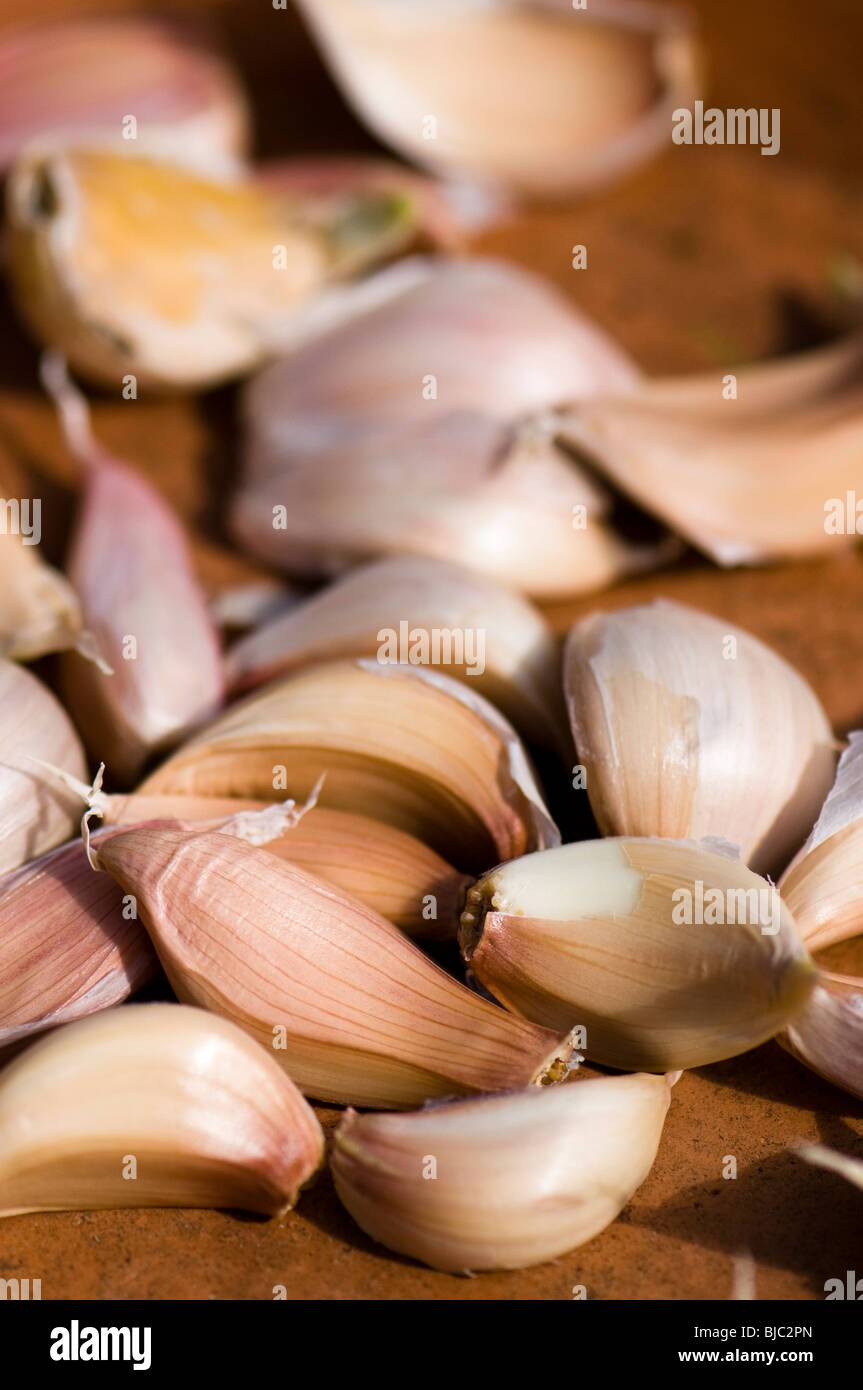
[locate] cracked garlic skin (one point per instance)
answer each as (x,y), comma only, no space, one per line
(669,955)
(501,1182)
(152,1105)
(689,727)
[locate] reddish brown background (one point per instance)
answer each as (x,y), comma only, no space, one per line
(712,255)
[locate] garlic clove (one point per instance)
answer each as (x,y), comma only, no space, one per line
(35,815)
(419,426)
(689,727)
(221,268)
(152,1105)
(762,476)
(413,608)
(713,962)
(502,1182)
(409,747)
(131,566)
(827,1034)
(39,609)
(69,944)
(353,1010)
(533,97)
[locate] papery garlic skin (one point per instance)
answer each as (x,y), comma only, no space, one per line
(35,814)
(827,1034)
(690,727)
(205,1116)
(39,609)
(710,970)
(69,944)
(501,1182)
(353,1010)
(533,97)
(77,80)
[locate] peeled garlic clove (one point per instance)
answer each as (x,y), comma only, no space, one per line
(417,609)
(505,1181)
(152,1105)
(39,609)
(35,814)
(78,80)
(352,1009)
(69,944)
(765,475)
(712,962)
(142,604)
(533,97)
(419,426)
(689,727)
(220,268)
(822,884)
(827,1034)
(409,747)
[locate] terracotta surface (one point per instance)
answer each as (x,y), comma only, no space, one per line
(710,256)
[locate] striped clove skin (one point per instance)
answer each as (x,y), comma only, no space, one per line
(69,944)
(501,1182)
(39,609)
(152,1105)
(352,1009)
(827,1034)
(714,964)
(407,746)
(35,814)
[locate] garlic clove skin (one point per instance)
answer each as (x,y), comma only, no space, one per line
(533,98)
(545,934)
(407,746)
(507,650)
(338,996)
(69,944)
(834,1161)
(39,609)
(827,1034)
(207,1117)
(516,1180)
(77,80)
(35,815)
(689,727)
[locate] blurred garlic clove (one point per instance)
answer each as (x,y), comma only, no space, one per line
(407,746)
(352,1009)
(713,962)
(822,884)
(487,636)
(35,814)
(247,606)
(131,567)
(689,727)
(220,269)
(419,426)
(823,1157)
(39,609)
(536,97)
(152,1105)
(77,81)
(69,944)
(827,1034)
(502,1182)
(763,476)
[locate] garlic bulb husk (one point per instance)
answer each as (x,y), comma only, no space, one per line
(78,79)
(827,1034)
(538,98)
(714,963)
(353,1010)
(689,727)
(501,1182)
(152,1105)
(420,427)
(763,474)
(69,944)
(221,267)
(407,746)
(35,813)
(487,636)
(39,609)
